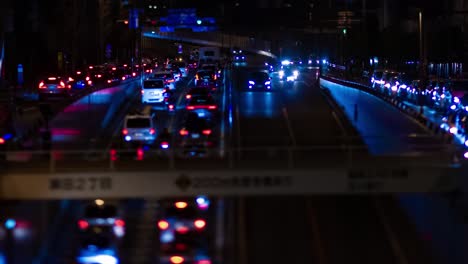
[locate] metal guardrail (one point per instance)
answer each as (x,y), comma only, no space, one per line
(270,157)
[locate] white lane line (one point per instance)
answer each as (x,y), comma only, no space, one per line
(288,124)
(179,101)
(391,235)
(317,242)
(340,124)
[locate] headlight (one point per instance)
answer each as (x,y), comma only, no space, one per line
(456,100)
(267,83)
(281,73)
(251,82)
(403,86)
(296,73)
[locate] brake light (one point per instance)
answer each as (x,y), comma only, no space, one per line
(212,107)
(2,141)
(181,247)
(204,261)
(133,74)
(99,75)
(171,107)
(163,225)
(190,107)
(61,85)
(177,260)
(52,78)
(123,78)
(152,131)
(78,72)
(215,77)
(188,96)
(70,79)
(114,68)
(87,78)
(200,223)
(180,205)
(182,230)
(142,91)
(170,80)
(196,77)
(206,132)
(119,222)
(183,132)
(83,224)
(109,81)
(90,82)
(125,132)
(41,85)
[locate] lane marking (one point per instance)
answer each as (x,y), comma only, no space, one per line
(288,124)
(317,242)
(179,101)
(391,235)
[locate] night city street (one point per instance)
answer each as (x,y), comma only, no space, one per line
(233,132)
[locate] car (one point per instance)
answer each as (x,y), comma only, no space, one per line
(200,102)
(207,77)
(181,217)
(139,128)
(96,245)
(182,66)
(152,91)
(259,80)
(195,135)
(459,90)
(53,86)
(212,67)
(79,81)
(102,214)
(168,78)
(288,73)
(202,91)
(239,59)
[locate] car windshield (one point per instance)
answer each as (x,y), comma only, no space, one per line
(153,84)
(259,76)
(138,123)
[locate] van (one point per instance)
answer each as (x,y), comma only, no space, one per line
(139,128)
(152,91)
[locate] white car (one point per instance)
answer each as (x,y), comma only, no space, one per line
(139,128)
(152,91)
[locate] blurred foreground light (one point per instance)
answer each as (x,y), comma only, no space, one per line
(466,143)
(453,107)
(181,205)
(466,155)
(102,259)
(456,100)
(177,259)
(10,224)
(453,130)
(99,202)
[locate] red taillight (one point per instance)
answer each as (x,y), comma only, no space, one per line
(125,132)
(2,141)
(123,78)
(140,154)
(204,261)
(119,222)
(200,223)
(90,82)
(183,132)
(99,75)
(190,107)
(152,131)
(163,225)
(133,74)
(181,247)
(188,96)
(177,260)
(83,224)
(170,80)
(196,77)
(113,154)
(61,85)
(180,205)
(87,78)
(206,132)
(215,77)
(182,230)
(109,81)
(41,85)
(212,107)
(142,91)
(171,107)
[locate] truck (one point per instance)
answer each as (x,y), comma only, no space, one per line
(209,55)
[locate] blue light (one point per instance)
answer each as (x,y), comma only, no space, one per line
(456,100)
(324,61)
(128,138)
(199,22)
(453,107)
(267,83)
(164,145)
(10,224)
(7,136)
(167,237)
(285,62)
(102,259)
(146,148)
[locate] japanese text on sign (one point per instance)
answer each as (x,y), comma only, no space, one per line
(80,184)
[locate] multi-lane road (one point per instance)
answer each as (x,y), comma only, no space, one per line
(326,229)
